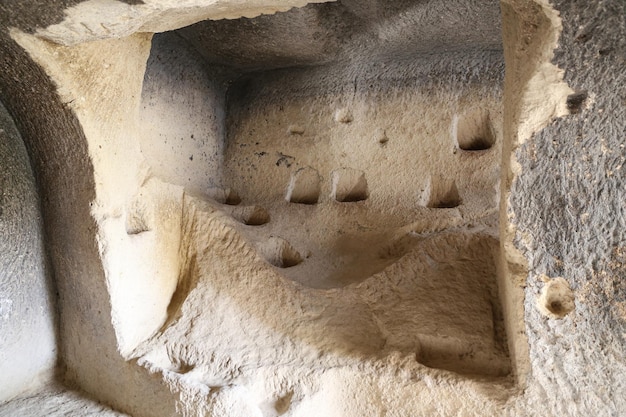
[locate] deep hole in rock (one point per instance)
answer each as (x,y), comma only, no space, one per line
(349,185)
(474,131)
(280,253)
(251,215)
(443,194)
(304,186)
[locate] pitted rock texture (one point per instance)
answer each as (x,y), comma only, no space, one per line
(570,214)
(188,283)
(56,401)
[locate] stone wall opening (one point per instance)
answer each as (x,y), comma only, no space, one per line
(376,176)
(283,204)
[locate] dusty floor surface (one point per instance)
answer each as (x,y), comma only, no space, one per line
(56,401)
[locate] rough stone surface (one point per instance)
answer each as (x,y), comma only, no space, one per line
(28,345)
(94,20)
(183,113)
(56,401)
(570,214)
(418,300)
(58,152)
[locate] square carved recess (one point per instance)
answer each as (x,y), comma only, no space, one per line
(341,193)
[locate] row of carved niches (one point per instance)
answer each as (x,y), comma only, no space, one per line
(379,284)
(334,243)
(350,185)
(357,220)
(264,283)
(425,291)
(382,215)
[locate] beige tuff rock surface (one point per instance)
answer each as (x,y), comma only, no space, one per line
(27,304)
(323,210)
(56,401)
(103,19)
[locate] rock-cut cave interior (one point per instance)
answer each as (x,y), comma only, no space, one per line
(273,208)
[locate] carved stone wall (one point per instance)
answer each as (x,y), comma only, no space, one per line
(342,209)
(27,313)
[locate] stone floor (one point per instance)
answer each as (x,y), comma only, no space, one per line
(56,401)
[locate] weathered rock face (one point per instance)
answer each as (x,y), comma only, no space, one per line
(570,211)
(346,209)
(27,314)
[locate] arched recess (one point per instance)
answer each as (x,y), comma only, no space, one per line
(100,194)
(27,295)
(58,151)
